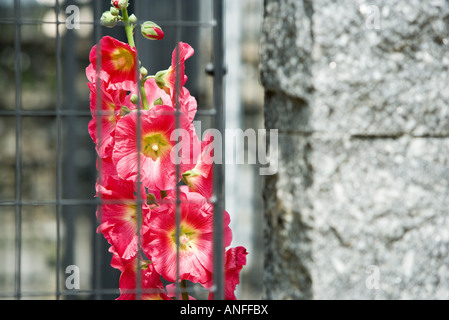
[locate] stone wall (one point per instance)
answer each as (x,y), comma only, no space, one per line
(359,94)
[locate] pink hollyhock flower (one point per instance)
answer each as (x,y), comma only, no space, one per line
(234,261)
(102,75)
(118,60)
(166,79)
(151,287)
(187,103)
(158,96)
(91,74)
(106,172)
(157,171)
(106,120)
(105,115)
(196,243)
(117,261)
(155,95)
(200,178)
(118,216)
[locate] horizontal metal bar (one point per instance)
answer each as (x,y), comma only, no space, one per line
(73,113)
(61,292)
(80,292)
(197,24)
(84,202)
(63,202)
(209,112)
(44,113)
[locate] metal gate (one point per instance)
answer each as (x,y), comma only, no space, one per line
(43,123)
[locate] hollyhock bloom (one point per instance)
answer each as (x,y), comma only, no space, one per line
(106,172)
(118,216)
(92,75)
(151,286)
(106,120)
(106,115)
(157,170)
(196,242)
(200,178)
(234,261)
(117,261)
(166,79)
(187,103)
(118,60)
(155,95)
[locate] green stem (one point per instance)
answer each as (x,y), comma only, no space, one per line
(143,95)
(184,293)
(129,34)
(128,28)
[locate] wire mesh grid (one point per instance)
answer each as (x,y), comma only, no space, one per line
(67,121)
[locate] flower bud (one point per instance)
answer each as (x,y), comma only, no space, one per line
(114,11)
(186,177)
(108,20)
(158,102)
(151,199)
(124,110)
(143,72)
(132,18)
(120,4)
(160,79)
(134,98)
(151,31)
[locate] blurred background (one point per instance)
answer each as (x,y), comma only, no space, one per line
(53,161)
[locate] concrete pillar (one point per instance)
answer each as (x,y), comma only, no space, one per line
(359,93)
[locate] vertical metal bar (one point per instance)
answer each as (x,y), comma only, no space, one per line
(178,16)
(18,169)
(58,152)
(98,240)
(219,169)
(70,179)
(139,199)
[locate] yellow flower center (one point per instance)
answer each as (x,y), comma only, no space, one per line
(187,236)
(131,213)
(111,113)
(155,146)
(122,59)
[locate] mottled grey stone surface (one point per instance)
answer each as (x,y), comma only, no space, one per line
(359,208)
